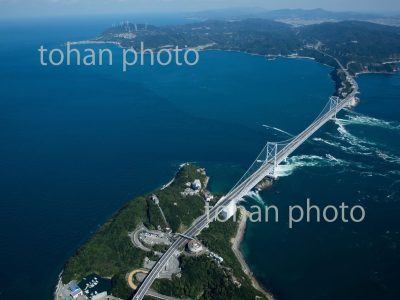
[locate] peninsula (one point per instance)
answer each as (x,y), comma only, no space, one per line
(360,46)
(161,243)
(113,262)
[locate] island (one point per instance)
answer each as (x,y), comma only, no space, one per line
(113,262)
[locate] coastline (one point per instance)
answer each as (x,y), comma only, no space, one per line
(236,242)
(375,72)
(238,239)
(210,47)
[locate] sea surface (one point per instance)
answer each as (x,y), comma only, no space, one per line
(77,142)
(355,160)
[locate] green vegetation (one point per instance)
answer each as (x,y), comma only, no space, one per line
(110,253)
(203,278)
(362,43)
(120,286)
(363,46)
(180,211)
(218,237)
(154,217)
(253,35)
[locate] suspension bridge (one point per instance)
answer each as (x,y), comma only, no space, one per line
(265,165)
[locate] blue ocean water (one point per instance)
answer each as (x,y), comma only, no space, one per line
(78,142)
(355,160)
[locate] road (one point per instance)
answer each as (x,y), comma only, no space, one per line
(243,188)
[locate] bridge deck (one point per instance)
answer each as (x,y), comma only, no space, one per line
(244,187)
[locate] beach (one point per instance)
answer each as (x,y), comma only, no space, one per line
(236,241)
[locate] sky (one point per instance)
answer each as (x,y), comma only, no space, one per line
(38,8)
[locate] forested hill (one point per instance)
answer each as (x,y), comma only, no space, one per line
(362,45)
(355,43)
(252,35)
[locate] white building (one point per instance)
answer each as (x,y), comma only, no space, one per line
(229,211)
(195,246)
(196,185)
(208,196)
(75,290)
(155,199)
(216,257)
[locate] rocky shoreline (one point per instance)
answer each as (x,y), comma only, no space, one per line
(236,241)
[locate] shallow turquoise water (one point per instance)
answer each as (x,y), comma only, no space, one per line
(77,143)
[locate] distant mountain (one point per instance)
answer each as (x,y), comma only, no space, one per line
(316,14)
(295,17)
(360,45)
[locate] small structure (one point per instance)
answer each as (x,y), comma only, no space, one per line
(154,237)
(216,257)
(93,285)
(192,188)
(229,211)
(195,246)
(70,291)
(208,196)
(74,290)
(196,185)
(202,171)
(155,199)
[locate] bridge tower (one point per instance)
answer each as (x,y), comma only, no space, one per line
(334,103)
(271,151)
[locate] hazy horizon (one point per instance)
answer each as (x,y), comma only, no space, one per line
(39,8)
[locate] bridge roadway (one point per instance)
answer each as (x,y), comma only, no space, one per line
(241,190)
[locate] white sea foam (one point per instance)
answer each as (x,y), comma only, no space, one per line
(348,143)
(347,149)
(362,146)
(278,129)
(352,139)
(330,157)
(388,157)
(255,195)
(301,161)
(330,143)
(357,145)
(355,118)
(353,146)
